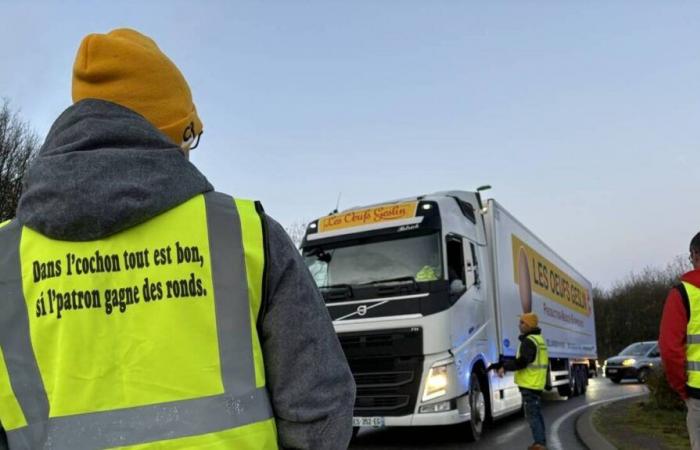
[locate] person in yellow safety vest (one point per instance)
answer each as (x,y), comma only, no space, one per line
(530,366)
(141,309)
(679,341)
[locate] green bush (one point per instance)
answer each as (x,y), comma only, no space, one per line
(661,395)
(630,310)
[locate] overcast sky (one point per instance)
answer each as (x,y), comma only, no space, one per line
(584,116)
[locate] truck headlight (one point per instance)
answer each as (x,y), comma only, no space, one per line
(436,384)
(629,362)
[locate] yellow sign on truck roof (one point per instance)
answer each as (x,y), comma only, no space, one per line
(368,216)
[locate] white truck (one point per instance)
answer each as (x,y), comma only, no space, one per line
(425,293)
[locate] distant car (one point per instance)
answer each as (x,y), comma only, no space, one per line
(635,361)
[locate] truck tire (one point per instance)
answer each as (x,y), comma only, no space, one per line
(578,375)
(583,380)
(477,406)
(571,389)
(615,380)
(573,382)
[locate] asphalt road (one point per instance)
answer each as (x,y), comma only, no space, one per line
(510,433)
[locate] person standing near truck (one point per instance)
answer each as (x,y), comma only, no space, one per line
(679,341)
(530,367)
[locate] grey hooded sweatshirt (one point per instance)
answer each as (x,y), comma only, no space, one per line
(104,168)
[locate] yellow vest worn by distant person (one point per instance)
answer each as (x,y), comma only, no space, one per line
(534,376)
(692,348)
(144,339)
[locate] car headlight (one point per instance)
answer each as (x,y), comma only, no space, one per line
(436,384)
(629,362)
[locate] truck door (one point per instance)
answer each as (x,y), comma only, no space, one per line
(467,312)
(473,284)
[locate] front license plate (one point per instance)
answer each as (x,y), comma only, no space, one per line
(374,422)
(612,370)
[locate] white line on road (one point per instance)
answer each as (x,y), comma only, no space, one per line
(555,442)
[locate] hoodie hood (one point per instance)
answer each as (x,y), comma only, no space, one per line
(536,330)
(102,169)
(692,277)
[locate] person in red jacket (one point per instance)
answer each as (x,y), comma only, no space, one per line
(672,342)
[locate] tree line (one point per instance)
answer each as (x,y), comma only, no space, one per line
(18,147)
(630,310)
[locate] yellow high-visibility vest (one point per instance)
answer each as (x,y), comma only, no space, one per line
(143,339)
(692,348)
(534,376)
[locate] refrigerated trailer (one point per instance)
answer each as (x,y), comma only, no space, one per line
(425,292)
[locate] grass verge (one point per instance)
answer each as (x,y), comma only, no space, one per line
(636,424)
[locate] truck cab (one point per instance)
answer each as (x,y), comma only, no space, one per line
(406,289)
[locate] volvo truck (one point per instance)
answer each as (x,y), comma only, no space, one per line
(425,293)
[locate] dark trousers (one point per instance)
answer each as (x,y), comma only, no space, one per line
(533,414)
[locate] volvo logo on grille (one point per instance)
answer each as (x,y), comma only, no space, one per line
(361,310)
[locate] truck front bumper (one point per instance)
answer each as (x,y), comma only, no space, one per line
(458,415)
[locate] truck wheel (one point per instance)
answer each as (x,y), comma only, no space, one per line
(571,389)
(583,380)
(615,380)
(477,406)
(355,430)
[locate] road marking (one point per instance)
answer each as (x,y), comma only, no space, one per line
(555,442)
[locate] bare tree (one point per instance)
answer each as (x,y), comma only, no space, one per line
(296,231)
(677,267)
(18,146)
(630,311)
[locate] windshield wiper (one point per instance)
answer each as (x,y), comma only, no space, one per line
(336,286)
(335,292)
(392,280)
(394,286)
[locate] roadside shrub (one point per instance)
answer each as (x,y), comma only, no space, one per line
(661,395)
(630,310)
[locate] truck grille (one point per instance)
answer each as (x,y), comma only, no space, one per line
(387,367)
(383,379)
(368,404)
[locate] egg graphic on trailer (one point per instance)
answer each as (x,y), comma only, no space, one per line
(524,281)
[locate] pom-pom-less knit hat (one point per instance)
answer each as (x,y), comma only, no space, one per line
(530,319)
(127,68)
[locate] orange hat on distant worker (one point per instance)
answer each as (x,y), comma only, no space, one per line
(530,319)
(127,68)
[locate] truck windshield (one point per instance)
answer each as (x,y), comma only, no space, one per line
(637,349)
(412,258)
